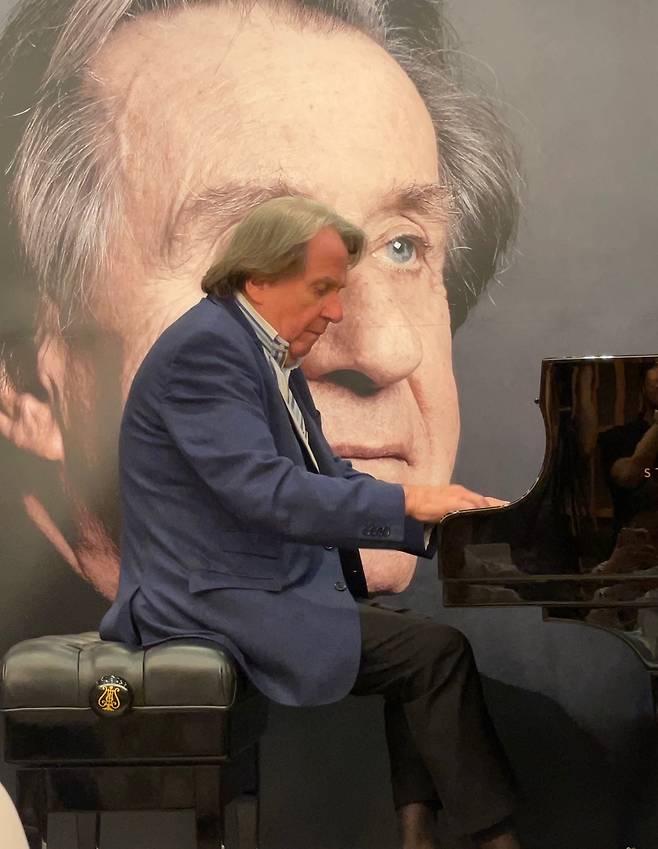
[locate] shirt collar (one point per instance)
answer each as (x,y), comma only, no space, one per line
(275,346)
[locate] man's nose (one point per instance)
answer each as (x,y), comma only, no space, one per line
(377,344)
(333,308)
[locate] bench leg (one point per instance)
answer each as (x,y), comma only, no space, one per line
(34,840)
(208,833)
(88,830)
(208,812)
(241,823)
(32,805)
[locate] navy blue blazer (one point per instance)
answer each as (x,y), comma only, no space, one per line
(227,535)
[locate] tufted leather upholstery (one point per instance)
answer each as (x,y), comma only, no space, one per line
(60,671)
(188,739)
(190,703)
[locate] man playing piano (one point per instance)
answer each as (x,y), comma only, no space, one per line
(242,527)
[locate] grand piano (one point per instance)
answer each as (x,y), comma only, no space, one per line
(583,542)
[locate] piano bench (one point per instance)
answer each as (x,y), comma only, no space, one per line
(95,726)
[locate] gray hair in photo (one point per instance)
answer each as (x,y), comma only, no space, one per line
(60,157)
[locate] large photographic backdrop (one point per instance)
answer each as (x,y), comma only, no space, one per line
(129,164)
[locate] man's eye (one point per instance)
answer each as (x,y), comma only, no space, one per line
(405,249)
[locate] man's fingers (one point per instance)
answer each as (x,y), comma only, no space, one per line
(462,503)
(435,503)
(495,502)
(473,501)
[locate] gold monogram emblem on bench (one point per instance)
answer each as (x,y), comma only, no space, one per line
(110,701)
(110,696)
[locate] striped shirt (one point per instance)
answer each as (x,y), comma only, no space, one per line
(272,343)
(276,351)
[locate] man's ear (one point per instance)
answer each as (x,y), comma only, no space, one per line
(28,421)
(253,289)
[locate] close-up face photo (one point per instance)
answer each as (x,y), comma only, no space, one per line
(162,162)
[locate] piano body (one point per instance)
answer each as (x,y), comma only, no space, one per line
(583,542)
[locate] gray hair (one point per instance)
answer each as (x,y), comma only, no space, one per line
(270,243)
(61,164)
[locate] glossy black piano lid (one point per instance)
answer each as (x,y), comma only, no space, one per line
(584,540)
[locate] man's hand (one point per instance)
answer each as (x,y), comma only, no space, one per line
(432,503)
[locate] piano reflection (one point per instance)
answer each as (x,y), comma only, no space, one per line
(583,542)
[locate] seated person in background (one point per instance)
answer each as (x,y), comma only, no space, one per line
(242,527)
(629,456)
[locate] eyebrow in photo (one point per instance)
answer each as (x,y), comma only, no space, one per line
(217,209)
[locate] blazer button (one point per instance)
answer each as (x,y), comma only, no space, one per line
(329,547)
(341,586)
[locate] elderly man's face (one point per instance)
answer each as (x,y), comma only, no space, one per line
(211,108)
(301,308)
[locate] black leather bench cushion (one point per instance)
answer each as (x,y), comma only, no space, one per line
(190,702)
(60,672)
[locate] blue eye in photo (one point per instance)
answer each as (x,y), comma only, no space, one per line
(403,250)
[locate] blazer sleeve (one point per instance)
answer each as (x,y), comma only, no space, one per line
(419,538)
(214,408)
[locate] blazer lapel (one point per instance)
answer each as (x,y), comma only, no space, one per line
(319,446)
(231,307)
(298,386)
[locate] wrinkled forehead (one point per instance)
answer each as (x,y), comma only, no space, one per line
(208,93)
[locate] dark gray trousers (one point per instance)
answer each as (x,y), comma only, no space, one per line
(442,745)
